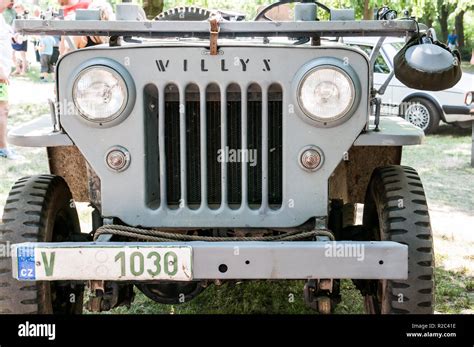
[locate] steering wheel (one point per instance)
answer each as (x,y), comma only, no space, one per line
(263,12)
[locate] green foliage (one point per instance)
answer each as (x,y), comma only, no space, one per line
(469,28)
(248,297)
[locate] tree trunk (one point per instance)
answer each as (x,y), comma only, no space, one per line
(152,8)
(443,21)
(428,21)
(368,10)
(459,26)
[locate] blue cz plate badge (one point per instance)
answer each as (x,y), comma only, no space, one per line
(26,263)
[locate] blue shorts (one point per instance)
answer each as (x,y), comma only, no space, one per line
(20,47)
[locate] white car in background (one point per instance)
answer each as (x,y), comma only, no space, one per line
(424,109)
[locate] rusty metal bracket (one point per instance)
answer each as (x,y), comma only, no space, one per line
(97,289)
(108,295)
(321,296)
(214,28)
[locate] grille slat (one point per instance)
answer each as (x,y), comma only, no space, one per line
(223,106)
(214,146)
(153,163)
(254,142)
(203,145)
(245,109)
(234,141)
(193,154)
(214,189)
(161,147)
(182,149)
(275,147)
(172,146)
(264,144)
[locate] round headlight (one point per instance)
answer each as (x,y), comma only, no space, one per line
(99,94)
(326,93)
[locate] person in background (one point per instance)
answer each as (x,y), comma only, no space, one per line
(45,48)
(5,69)
(453,40)
(9,14)
(106,13)
(19,45)
(36,13)
(69,7)
(55,56)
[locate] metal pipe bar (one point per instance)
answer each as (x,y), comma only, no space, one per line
(227,29)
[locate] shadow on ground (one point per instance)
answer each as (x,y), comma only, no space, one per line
(452,130)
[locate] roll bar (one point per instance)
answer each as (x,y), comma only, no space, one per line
(228,29)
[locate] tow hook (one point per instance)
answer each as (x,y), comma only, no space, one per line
(321,295)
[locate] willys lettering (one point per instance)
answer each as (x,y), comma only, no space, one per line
(224,65)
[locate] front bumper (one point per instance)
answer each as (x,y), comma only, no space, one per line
(458,113)
(217,260)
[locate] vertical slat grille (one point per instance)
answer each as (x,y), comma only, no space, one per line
(151,119)
(213,107)
(275,146)
(234,142)
(212,156)
(193,140)
(254,145)
(172,146)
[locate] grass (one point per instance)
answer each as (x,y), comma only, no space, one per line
(454,291)
(33,74)
(443,162)
(252,297)
(467,67)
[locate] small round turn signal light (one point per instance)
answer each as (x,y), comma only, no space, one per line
(117,158)
(311,158)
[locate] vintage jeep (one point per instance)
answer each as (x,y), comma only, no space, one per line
(238,152)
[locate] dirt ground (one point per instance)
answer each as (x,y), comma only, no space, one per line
(42,92)
(454,238)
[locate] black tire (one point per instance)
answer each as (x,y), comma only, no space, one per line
(429,126)
(38,209)
(396,210)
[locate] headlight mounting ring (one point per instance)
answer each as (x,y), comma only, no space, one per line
(331,63)
(121,71)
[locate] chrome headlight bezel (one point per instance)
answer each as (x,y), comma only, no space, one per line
(121,74)
(339,66)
